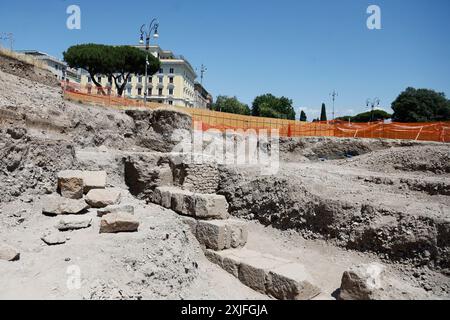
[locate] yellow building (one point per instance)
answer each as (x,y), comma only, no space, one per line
(173,84)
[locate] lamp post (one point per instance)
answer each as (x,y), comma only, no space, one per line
(333,95)
(152,27)
(373,103)
(203,69)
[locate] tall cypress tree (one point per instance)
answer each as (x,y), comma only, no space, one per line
(303,116)
(323,113)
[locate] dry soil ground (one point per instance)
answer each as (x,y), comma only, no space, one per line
(334,204)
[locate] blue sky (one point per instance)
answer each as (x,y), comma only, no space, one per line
(302,49)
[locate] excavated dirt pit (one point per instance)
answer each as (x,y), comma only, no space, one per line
(334,203)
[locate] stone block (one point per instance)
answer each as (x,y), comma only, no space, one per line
(54,238)
(73,223)
(363,282)
(118,222)
(211,206)
(9,253)
(71,184)
(267,274)
(183,202)
(69,179)
(291,282)
(100,198)
(192,223)
(55,205)
(125,208)
(94,180)
(221,234)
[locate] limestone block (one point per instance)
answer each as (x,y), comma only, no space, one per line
(73,223)
(55,205)
(363,282)
(118,222)
(71,184)
(9,253)
(221,234)
(100,198)
(291,282)
(126,208)
(211,206)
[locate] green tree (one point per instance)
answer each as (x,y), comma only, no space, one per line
(94,58)
(130,60)
(273,107)
(113,61)
(377,115)
(367,116)
(230,105)
(303,116)
(421,105)
(323,113)
(345,118)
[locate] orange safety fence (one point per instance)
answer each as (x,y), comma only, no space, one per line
(435,131)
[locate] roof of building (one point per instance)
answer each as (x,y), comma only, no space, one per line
(168,56)
(201,89)
(41,55)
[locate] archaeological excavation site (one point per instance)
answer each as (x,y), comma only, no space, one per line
(100,203)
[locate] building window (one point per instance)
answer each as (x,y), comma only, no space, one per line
(139,91)
(89,79)
(149,91)
(110,79)
(89,90)
(171,102)
(171,91)
(160,91)
(99,79)
(140,79)
(149,79)
(119,79)
(129,91)
(171,80)
(161,70)
(161,79)
(172,70)
(129,79)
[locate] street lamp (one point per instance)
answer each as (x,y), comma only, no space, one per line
(373,103)
(203,69)
(333,95)
(152,28)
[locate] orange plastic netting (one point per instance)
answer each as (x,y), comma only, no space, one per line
(436,131)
